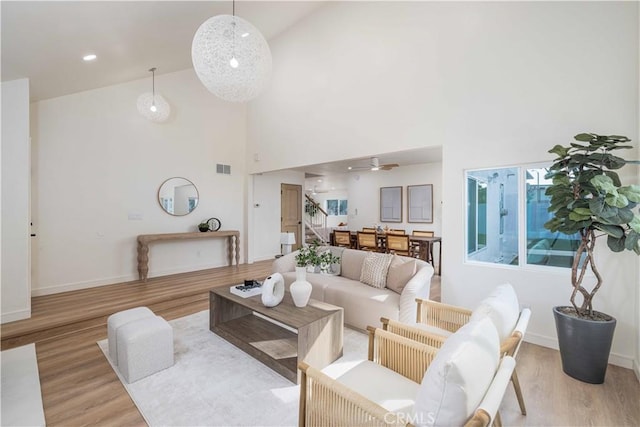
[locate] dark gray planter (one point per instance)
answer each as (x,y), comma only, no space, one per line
(584,346)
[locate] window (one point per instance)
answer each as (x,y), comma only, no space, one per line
(477,215)
(494,231)
(492,216)
(336,207)
(544,247)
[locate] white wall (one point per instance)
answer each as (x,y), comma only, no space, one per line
(495,84)
(16,276)
(100,162)
(364,196)
(264,214)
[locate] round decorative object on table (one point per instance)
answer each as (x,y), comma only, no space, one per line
(214,224)
(203,227)
(273,290)
(301,289)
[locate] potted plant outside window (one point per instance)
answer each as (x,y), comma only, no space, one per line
(588,198)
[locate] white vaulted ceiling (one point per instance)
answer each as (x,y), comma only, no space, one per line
(45,41)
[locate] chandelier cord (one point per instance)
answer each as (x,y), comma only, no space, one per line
(234,7)
(153,85)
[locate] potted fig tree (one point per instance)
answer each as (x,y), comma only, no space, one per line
(588,199)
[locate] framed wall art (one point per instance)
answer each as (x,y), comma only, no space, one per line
(420,203)
(390,204)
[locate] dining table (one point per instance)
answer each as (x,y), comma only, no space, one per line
(425,246)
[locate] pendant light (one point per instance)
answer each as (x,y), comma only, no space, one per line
(231,58)
(152,105)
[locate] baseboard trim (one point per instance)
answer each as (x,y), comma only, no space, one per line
(117,279)
(265,258)
(636,369)
(81,285)
(545,341)
(15,315)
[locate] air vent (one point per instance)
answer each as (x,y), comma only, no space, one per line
(224,169)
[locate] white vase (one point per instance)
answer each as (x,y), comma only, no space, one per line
(300,289)
(273,290)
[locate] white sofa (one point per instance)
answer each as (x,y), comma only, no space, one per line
(363,304)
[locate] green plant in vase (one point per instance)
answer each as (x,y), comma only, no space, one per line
(327,261)
(588,199)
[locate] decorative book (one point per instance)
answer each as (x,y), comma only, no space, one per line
(248,289)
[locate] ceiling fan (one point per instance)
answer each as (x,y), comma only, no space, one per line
(317,190)
(374,165)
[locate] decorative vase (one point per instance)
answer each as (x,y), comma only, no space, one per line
(300,289)
(325,268)
(273,290)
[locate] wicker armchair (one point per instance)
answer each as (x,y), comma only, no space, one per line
(397,366)
(444,319)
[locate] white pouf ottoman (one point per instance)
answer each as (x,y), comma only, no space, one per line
(145,346)
(117,320)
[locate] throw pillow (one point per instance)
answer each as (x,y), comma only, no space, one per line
(400,271)
(374,269)
(502,307)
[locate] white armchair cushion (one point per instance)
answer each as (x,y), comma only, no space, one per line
(459,376)
(432,329)
(374,269)
(502,307)
(381,385)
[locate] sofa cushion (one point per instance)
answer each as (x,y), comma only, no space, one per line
(363,305)
(400,271)
(374,269)
(502,307)
(459,376)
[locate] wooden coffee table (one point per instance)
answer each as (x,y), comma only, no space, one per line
(312,334)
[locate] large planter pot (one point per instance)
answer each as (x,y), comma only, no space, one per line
(301,289)
(584,345)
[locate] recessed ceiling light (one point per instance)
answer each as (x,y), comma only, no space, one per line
(319,180)
(90,57)
(245,35)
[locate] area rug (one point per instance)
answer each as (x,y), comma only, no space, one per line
(213,383)
(21,400)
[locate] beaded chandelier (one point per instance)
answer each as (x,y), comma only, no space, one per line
(231,58)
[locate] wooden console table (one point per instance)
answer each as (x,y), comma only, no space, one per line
(232,236)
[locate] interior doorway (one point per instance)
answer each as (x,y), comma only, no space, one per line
(291,211)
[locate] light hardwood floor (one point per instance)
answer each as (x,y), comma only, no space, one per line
(80,388)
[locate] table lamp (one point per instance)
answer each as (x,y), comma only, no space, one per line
(287,240)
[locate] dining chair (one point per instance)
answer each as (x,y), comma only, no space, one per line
(342,238)
(416,245)
(396,231)
(368,229)
(368,242)
(399,244)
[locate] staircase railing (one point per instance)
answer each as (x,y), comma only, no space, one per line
(315,219)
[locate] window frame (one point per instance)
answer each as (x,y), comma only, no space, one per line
(522,222)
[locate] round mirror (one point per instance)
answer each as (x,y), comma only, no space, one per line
(178,196)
